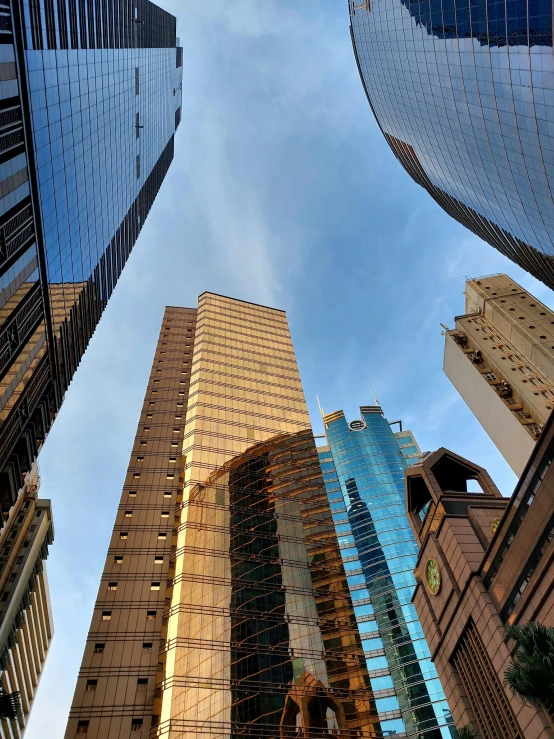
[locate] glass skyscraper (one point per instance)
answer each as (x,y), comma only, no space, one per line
(363,467)
(223,610)
(90,98)
(463,92)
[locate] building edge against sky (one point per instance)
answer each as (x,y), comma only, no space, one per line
(73,94)
(466,103)
(500,358)
(90,99)
(223,601)
(363,465)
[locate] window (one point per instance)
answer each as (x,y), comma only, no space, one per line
(140,459)
(82,727)
(142,683)
(137,124)
(158,559)
(146,646)
(165,514)
(491,707)
(118,559)
(136,80)
(132,493)
(150,615)
(91,685)
(123,535)
(99,647)
(106,615)
(162,535)
(112,586)
(138,166)
(146,428)
(170,476)
(136,724)
(136,475)
(128,514)
(154,586)
(249,433)
(172,460)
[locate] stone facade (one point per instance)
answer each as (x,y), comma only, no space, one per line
(485,561)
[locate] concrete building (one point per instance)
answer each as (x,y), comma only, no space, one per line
(223,609)
(485,561)
(500,358)
(363,467)
(26,626)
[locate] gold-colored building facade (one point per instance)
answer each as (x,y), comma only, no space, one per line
(253,630)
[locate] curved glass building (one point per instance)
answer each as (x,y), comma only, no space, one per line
(463,91)
(363,467)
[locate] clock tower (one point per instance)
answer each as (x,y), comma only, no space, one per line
(455,511)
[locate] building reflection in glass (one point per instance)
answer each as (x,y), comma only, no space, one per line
(363,468)
(463,91)
(262,640)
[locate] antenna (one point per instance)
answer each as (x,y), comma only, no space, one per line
(375,396)
(320,408)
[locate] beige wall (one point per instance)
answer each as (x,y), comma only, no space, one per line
(515,334)
(507,433)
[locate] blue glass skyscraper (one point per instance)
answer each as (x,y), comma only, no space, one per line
(463,91)
(90,98)
(363,467)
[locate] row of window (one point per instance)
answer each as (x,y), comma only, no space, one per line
(83,725)
(133,494)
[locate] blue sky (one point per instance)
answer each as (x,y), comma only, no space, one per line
(282,192)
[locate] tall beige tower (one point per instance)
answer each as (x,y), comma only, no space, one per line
(223,609)
(26,625)
(500,358)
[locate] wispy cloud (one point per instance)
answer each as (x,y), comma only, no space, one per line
(282,191)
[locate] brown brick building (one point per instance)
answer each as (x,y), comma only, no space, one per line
(485,561)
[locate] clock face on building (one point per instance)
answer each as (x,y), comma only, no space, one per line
(433,576)
(494,525)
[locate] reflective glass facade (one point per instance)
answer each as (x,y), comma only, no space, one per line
(223,609)
(363,468)
(464,93)
(90,98)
